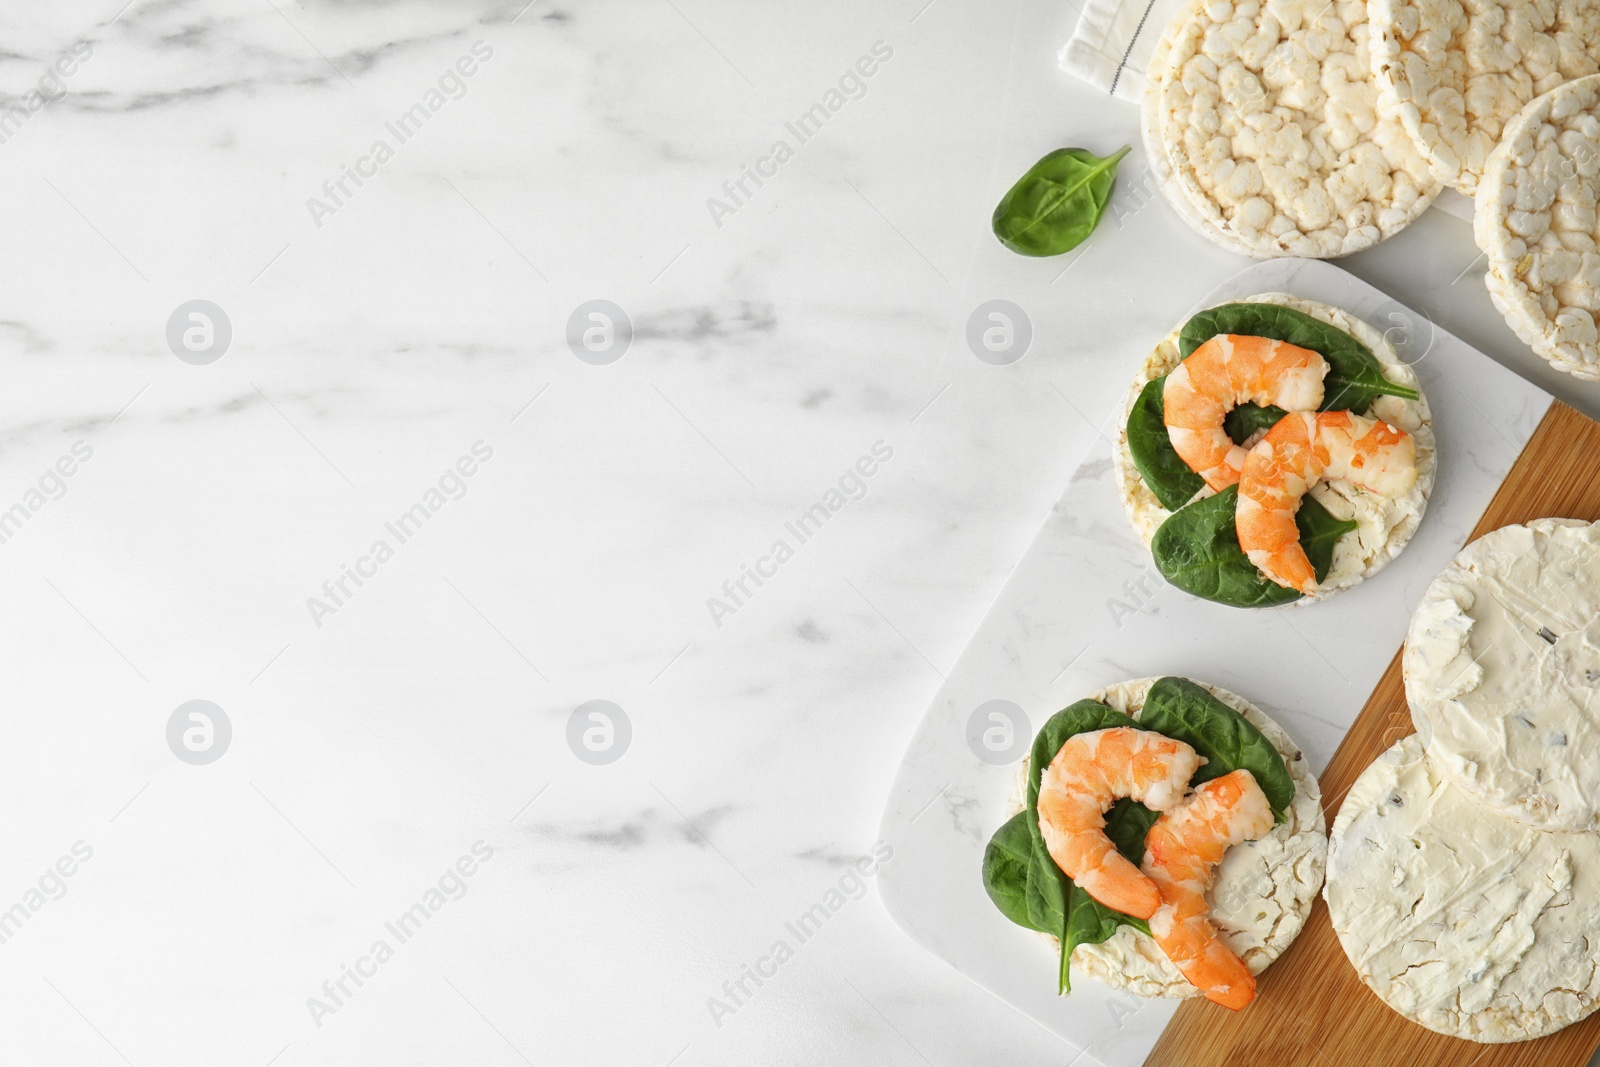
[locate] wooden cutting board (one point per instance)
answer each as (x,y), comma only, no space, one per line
(1311,1008)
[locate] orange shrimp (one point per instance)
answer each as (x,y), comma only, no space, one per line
(1223,373)
(1302,449)
(1181,853)
(1086,777)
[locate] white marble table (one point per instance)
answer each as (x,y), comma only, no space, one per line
(383,333)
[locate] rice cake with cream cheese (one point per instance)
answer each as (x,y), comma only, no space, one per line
(1502,663)
(1464,921)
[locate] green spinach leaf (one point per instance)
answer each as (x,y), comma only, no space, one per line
(1246,420)
(1355,377)
(1047,893)
(1005,869)
(1197,550)
(1186,711)
(1047,886)
(1090,922)
(1056,205)
(1167,476)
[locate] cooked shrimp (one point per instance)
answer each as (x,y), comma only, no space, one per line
(1302,449)
(1090,772)
(1226,371)
(1181,853)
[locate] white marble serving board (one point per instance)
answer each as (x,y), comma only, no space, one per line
(1085,607)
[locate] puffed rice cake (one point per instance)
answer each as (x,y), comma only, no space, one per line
(1268,115)
(1535,220)
(1456,71)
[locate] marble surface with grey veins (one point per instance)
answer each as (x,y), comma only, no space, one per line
(368,503)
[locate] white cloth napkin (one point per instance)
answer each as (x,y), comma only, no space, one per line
(1111,47)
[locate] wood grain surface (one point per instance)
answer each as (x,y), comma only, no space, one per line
(1311,1008)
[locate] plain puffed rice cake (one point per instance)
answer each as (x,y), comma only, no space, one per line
(1154,138)
(1269,118)
(1535,221)
(1456,71)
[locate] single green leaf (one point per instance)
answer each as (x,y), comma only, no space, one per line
(1320,533)
(1355,377)
(1056,205)
(1047,886)
(1128,821)
(1166,475)
(1090,922)
(1247,420)
(1005,869)
(1188,712)
(1197,550)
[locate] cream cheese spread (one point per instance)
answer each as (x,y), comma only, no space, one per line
(1502,665)
(1462,920)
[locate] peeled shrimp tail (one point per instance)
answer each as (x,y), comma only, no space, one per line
(1302,449)
(1182,851)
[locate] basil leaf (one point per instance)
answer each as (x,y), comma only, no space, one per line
(1188,712)
(1005,869)
(1056,205)
(1355,377)
(1197,550)
(1166,475)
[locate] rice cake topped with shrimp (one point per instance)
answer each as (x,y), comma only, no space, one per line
(1536,222)
(1456,71)
(1502,661)
(1264,888)
(1268,117)
(1384,525)
(1462,920)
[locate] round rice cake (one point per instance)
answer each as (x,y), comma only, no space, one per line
(1456,71)
(1501,664)
(1263,891)
(1462,920)
(1535,220)
(1154,139)
(1384,525)
(1270,120)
